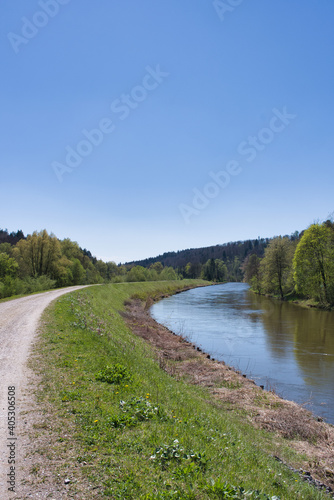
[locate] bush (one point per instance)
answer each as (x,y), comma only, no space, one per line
(11,286)
(31,285)
(15,286)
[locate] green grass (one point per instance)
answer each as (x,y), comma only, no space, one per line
(140,434)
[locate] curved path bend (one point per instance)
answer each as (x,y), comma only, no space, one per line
(19,320)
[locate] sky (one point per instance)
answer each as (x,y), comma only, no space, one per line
(137,128)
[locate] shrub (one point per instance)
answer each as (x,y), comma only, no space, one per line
(38,284)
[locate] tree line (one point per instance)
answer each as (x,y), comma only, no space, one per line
(299,264)
(302,266)
(41,261)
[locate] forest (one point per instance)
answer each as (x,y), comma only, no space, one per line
(297,266)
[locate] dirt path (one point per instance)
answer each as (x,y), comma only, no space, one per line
(18,323)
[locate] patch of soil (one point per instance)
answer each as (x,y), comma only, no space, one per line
(233,391)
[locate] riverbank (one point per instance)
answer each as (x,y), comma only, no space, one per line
(175,425)
(309,304)
(293,298)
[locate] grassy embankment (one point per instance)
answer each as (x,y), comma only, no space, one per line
(147,435)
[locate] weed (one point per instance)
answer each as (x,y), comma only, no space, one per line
(171,495)
(134,411)
(70,396)
(221,489)
(165,454)
(113,374)
(140,409)
(230,385)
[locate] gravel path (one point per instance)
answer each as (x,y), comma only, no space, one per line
(19,319)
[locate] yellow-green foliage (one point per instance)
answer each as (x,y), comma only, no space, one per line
(314,263)
(41,261)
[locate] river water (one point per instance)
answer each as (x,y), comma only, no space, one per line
(282,346)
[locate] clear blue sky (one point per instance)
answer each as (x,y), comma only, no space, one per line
(179,89)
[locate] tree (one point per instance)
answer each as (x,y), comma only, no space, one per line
(214,270)
(252,272)
(136,273)
(71,249)
(157,266)
(6,248)
(221,270)
(78,273)
(38,254)
(314,263)
(234,268)
(276,266)
(8,266)
(168,273)
(209,270)
(63,272)
(92,274)
(102,269)
(192,270)
(113,270)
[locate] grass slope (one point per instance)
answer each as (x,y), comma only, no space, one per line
(122,428)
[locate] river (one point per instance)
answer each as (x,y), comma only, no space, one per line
(279,345)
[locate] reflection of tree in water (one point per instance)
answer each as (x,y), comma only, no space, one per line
(308,333)
(273,317)
(314,346)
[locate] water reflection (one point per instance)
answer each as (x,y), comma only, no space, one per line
(309,332)
(277,343)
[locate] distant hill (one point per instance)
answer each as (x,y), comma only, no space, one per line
(226,251)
